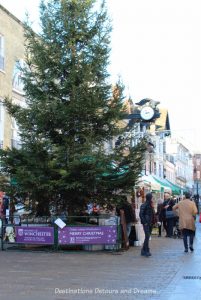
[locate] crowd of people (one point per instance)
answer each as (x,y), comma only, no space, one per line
(168,213)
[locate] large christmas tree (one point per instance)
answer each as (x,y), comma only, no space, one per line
(72,113)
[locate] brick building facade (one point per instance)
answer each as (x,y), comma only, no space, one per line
(11,54)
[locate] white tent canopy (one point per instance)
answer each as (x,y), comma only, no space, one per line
(155,185)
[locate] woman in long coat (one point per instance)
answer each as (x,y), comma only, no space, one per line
(187,211)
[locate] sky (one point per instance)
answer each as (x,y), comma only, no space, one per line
(156,49)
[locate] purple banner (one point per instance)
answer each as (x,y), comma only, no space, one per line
(35,235)
(88,235)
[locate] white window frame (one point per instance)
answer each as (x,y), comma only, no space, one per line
(2,53)
(17,74)
(1,124)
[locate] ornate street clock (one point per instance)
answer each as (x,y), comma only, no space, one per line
(147,113)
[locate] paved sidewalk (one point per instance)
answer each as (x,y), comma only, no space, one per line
(27,275)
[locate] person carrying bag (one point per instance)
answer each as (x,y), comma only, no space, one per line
(168,214)
(187,212)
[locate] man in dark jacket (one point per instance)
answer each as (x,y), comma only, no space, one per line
(160,217)
(168,222)
(146,217)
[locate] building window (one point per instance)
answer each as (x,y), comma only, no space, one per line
(2,59)
(1,110)
(155,168)
(18,76)
(1,124)
(15,140)
(160,171)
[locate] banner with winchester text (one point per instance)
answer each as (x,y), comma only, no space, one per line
(34,235)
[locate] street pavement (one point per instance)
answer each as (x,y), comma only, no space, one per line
(169,274)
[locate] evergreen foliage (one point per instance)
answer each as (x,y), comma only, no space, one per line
(72,112)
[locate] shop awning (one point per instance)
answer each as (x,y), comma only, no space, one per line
(155,185)
(114,172)
(186,189)
(165,187)
(176,190)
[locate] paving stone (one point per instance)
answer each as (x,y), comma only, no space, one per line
(29,275)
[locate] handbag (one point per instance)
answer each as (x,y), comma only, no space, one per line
(169,214)
(200,218)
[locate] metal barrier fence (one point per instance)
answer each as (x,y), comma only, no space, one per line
(87,232)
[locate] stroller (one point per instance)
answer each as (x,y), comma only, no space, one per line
(177,234)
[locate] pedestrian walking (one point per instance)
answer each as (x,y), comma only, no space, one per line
(168,222)
(159,216)
(147,219)
(187,211)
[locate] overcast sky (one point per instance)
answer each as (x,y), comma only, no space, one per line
(156,48)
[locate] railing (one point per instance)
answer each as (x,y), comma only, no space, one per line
(87,232)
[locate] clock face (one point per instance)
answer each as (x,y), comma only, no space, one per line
(147,113)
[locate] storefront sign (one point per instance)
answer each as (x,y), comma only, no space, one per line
(35,235)
(88,235)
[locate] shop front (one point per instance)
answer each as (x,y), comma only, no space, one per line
(157,187)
